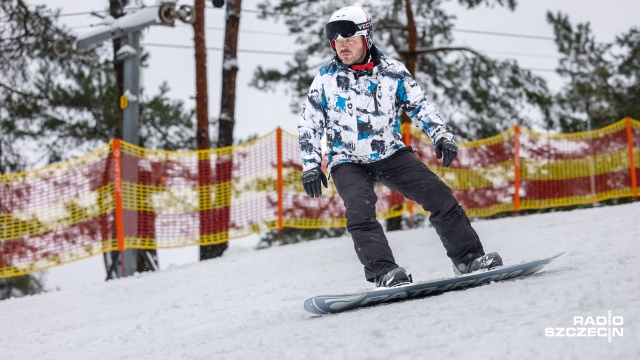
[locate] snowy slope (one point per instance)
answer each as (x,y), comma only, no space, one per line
(248,305)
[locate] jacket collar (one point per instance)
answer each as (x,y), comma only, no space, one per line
(376,56)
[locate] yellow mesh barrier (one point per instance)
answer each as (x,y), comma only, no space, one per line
(169,199)
(56,214)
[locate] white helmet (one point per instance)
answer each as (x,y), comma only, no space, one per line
(347,22)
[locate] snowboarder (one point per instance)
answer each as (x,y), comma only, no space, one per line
(355,99)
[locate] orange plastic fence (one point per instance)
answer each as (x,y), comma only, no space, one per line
(122,196)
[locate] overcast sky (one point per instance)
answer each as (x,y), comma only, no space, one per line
(260,113)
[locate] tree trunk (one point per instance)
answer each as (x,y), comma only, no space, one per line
(229,72)
(410,59)
(226,121)
(209,222)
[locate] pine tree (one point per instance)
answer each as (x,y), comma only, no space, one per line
(60,104)
(479,96)
(603,81)
(65,106)
(27,36)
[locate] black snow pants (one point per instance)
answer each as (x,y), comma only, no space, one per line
(405,174)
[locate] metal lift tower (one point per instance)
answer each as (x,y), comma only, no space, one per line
(128,28)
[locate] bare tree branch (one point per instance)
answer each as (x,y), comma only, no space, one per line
(12,90)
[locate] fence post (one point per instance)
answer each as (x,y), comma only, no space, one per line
(117,185)
(516,165)
(406,138)
(632,164)
(279,183)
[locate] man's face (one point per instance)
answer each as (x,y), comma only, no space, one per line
(350,50)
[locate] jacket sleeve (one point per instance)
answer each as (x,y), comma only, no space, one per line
(312,124)
(423,114)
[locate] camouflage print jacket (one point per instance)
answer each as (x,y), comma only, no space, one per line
(358,111)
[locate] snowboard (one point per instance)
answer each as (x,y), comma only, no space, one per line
(332,304)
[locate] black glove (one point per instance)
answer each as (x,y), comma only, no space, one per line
(311,181)
(448,148)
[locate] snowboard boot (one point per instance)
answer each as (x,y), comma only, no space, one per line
(393,278)
(484,262)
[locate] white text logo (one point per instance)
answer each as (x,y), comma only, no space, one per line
(590,326)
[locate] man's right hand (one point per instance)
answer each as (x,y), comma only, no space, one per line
(311,180)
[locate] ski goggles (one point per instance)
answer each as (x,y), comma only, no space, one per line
(345,28)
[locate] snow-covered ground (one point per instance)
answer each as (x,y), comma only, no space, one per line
(248,304)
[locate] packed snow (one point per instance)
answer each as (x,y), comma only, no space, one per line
(248,304)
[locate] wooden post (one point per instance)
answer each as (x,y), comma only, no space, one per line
(632,164)
(516,166)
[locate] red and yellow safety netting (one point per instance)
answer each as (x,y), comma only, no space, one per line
(522,169)
(123,196)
